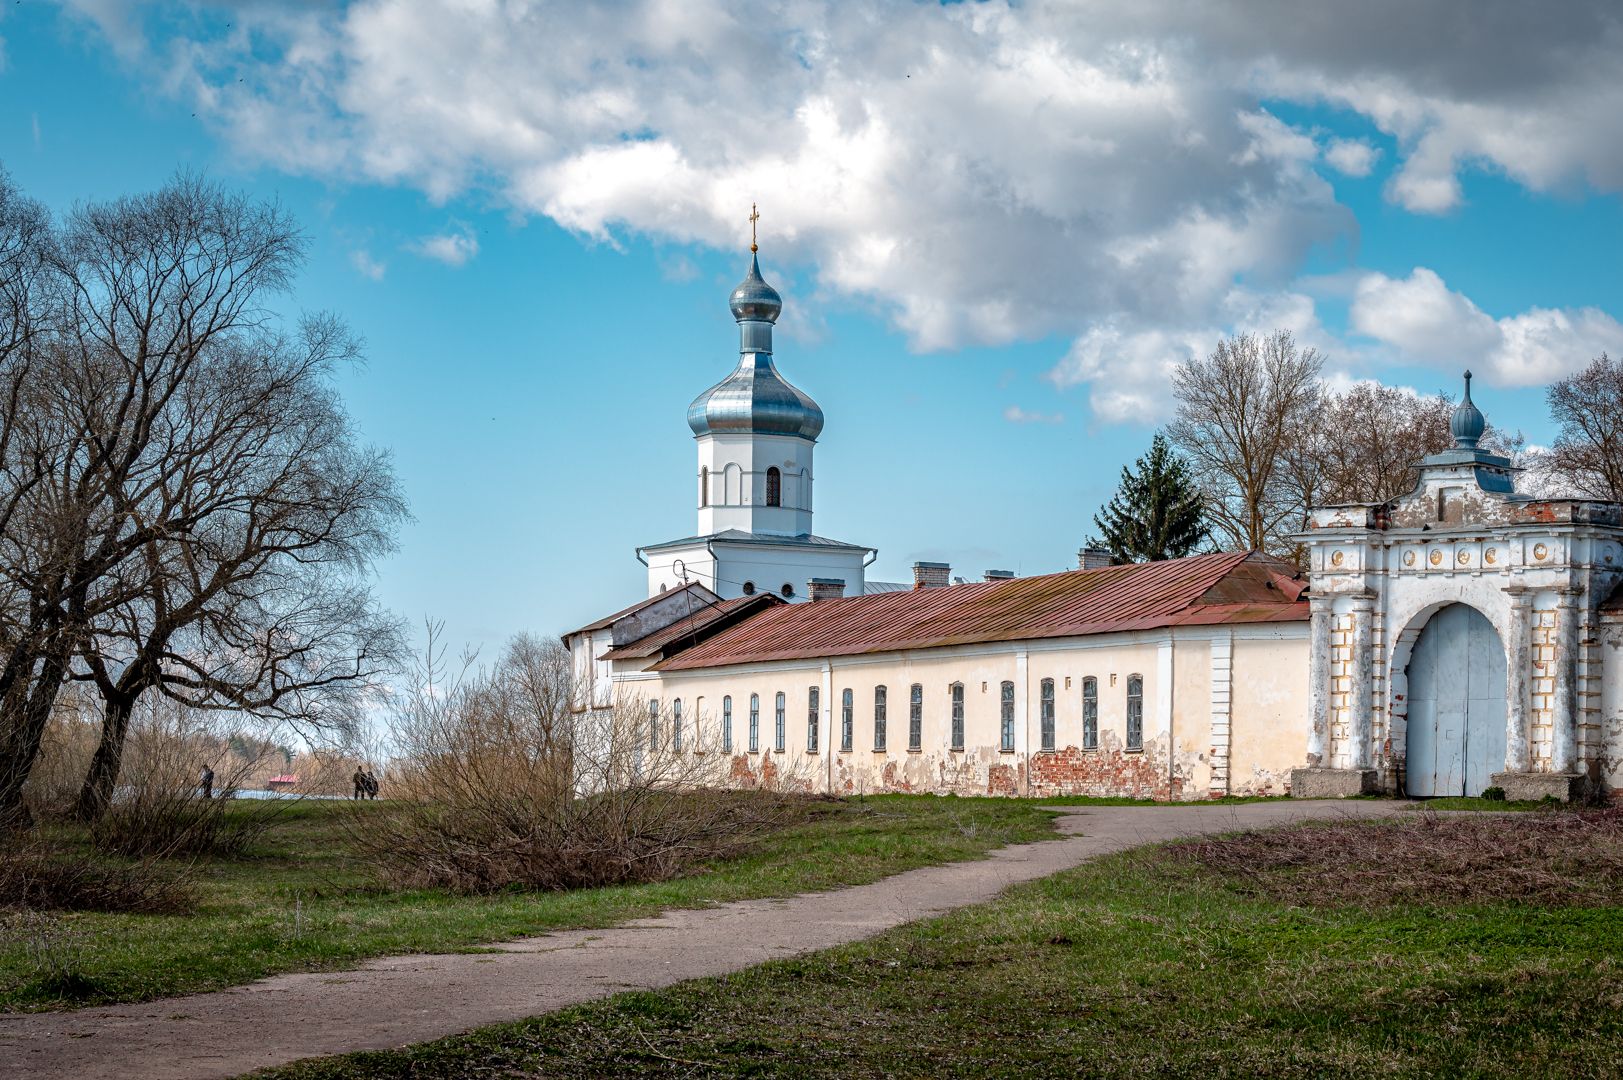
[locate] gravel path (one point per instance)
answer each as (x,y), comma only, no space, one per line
(407,999)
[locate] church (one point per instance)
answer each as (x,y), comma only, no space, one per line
(1457,639)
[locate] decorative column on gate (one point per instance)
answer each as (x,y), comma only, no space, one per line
(1318,681)
(1361,700)
(1518,683)
(1564,733)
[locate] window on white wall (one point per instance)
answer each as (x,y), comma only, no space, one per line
(915,717)
(774,487)
(879,718)
(704,486)
(847,720)
(956,691)
(1006,716)
(1090,713)
(1048,714)
(727,724)
(778,728)
(755,723)
(814,701)
(1135,712)
(676,725)
(653,725)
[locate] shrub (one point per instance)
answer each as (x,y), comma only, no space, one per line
(34,877)
(499,785)
(1494,794)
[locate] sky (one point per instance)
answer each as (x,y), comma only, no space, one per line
(997,228)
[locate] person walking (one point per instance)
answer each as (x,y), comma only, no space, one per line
(371,784)
(360,783)
(206,782)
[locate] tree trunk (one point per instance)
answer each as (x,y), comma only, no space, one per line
(23,729)
(102,777)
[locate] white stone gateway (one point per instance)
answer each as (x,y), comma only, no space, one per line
(1463,636)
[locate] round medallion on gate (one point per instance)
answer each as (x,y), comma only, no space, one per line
(1337,558)
(1436,557)
(1490,556)
(1408,558)
(1540,552)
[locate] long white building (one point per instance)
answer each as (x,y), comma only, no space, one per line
(1458,638)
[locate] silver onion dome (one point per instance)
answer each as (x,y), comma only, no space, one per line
(755,399)
(1467,424)
(754,299)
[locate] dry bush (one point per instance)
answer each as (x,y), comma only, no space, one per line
(158,809)
(1549,859)
(36,877)
(66,747)
(498,785)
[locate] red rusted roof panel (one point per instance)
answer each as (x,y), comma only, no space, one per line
(703,617)
(1208,589)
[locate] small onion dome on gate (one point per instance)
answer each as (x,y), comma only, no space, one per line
(754,299)
(1467,423)
(755,400)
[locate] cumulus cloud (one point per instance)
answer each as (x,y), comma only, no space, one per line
(453,248)
(1423,319)
(981,173)
(366,265)
(1014,414)
(1351,157)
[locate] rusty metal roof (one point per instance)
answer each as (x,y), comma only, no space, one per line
(705,619)
(1228,587)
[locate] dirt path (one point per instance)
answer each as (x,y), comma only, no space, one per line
(408,999)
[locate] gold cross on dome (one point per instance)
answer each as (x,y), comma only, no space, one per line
(755,215)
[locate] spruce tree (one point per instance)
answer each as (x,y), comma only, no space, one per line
(1156,513)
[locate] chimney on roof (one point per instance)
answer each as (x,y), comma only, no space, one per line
(825,588)
(998,575)
(1092,558)
(931,575)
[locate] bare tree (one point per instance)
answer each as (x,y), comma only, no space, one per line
(151,316)
(1587,457)
(1362,445)
(260,606)
(1238,411)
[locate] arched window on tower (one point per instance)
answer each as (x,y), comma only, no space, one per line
(774,487)
(704,486)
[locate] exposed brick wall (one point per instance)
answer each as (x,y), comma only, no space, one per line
(1104,772)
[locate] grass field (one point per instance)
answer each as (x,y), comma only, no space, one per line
(303,899)
(1474,945)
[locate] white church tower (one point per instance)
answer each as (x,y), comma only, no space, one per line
(755,434)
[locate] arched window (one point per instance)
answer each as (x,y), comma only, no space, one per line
(777,731)
(847,715)
(1090,713)
(814,702)
(1006,716)
(957,694)
(676,725)
(1048,714)
(727,724)
(704,486)
(653,725)
(1135,712)
(915,718)
(755,722)
(774,487)
(879,718)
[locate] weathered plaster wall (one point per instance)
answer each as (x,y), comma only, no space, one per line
(1270,735)
(1262,668)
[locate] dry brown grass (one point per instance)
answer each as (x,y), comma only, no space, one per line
(35,876)
(1554,859)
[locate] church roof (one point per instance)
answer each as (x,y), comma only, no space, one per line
(740,536)
(705,619)
(1224,588)
(699,591)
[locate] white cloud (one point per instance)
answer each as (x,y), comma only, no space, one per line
(455,248)
(981,173)
(1014,414)
(366,265)
(1426,321)
(1351,157)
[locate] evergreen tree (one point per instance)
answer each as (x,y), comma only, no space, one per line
(1156,513)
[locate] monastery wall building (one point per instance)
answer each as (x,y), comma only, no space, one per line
(1460,637)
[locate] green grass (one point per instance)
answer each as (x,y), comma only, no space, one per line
(245,926)
(1149,963)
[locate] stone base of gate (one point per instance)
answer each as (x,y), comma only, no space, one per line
(1333,783)
(1536,786)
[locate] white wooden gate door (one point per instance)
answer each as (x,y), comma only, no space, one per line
(1456,735)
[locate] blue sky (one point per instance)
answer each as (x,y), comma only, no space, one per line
(994,228)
